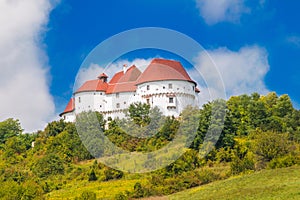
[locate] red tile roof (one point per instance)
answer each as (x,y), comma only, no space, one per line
(158,69)
(93,85)
(124,82)
(161,69)
(69,108)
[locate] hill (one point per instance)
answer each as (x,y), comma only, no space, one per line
(267,184)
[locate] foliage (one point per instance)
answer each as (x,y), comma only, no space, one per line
(245,134)
(86,195)
(139,113)
(49,165)
(9,128)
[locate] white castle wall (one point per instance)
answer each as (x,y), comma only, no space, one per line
(156,93)
(160,92)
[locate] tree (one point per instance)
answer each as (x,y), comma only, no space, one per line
(269,145)
(9,128)
(139,113)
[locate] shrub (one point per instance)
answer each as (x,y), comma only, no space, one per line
(110,174)
(239,165)
(120,196)
(87,195)
(285,161)
(92,176)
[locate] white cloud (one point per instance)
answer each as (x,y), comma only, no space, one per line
(214,11)
(94,70)
(242,71)
(24,88)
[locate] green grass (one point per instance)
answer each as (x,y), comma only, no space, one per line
(267,184)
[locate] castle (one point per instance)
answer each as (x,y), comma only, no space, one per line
(164,83)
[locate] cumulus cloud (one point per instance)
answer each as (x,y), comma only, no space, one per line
(214,11)
(24,88)
(94,70)
(242,71)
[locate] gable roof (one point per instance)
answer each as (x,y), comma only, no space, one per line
(124,82)
(69,108)
(161,69)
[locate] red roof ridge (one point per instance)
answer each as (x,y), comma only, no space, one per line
(162,69)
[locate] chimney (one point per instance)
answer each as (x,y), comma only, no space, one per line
(124,68)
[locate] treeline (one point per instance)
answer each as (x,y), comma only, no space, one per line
(256,132)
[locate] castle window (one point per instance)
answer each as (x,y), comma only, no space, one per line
(118,105)
(100,93)
(117,95)
(148,101)
(124,102)
(171,100)
(100,106)
(79,99)
(148,87)
(164,87)
(170,86)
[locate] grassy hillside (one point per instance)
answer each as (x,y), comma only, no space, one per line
(266,184)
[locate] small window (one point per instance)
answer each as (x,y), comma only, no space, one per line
(100,106)
(79,99)
(148,101)
(118,105)
(117,95)
(124,102)
(100,93)
(94,93)
(148,87)
(171,100)
(64,117)
(170,86)
(193,88)
(164,87)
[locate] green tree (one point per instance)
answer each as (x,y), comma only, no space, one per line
(269,145)
(139,113)
(9,128)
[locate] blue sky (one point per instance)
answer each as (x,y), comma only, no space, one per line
(256,40)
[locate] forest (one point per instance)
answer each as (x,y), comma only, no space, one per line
(255,132)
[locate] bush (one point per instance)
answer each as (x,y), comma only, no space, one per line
(120,196)
(239,165)
(87,195)
(285,161)
(110,174)
(92,176)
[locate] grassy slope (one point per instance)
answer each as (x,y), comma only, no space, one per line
(267,184)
